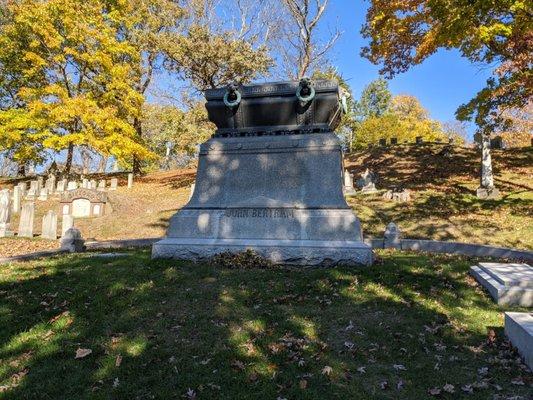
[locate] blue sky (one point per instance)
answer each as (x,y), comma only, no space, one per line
(441,83)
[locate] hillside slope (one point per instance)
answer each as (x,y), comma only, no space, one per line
(444,205)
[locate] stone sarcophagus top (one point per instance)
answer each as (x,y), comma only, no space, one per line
(270,180)
(83,202)
(275,108)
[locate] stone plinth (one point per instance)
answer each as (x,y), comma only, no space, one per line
(508,284)
(280,196)
(519,330)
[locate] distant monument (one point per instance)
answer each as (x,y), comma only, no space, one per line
(367,182)
(270,180)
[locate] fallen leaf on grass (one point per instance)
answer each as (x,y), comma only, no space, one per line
(327,370)
(81,353)
(399,367)
(118,361)
(237,364)
(303,384)
(449,388)
(434,391)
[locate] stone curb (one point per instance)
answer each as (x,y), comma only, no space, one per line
(121,244)
(31,256)
(467,249)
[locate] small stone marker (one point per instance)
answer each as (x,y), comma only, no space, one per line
(43,194)
(394,141)
(72,185)
(72,241)
(367,182)
(40,183)
(519,330)
(5,213)
(17,199)
(508,284)
(49,230)
(418,140)
(114,184)
(50,184)
(348,183)
(392,237)
(61,186)
(85,183)
(101,184)
(23,187)
(383,142)
(130,180)
(34,186)
(26,220)
(67,223)
(92,184)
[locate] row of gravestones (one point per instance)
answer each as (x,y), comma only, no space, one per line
(27,215)
(40,189)
(418,140)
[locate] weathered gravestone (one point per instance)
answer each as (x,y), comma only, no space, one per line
(83,203)
(72,241)
(270,180)
(101,184)
(130,180)
(92,184)
(43,194)
(50,184)
(26,220)
(61,186)
(72,185)
(67,223)
(392,237)
(49,228)
(114,184)
(367,182)
(23,187)
(17,199)
(5,213)
(348,183)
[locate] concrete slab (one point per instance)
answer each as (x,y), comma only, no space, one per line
(508,284)
(519,330)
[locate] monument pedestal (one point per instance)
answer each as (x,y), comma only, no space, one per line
(280,196)
(487,193)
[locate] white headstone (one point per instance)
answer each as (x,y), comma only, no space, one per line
(85,183)
(5,213)
(49,230)
(72,185)
(26,220)
(23,188)
(68,222)
(50,184)
(17,199)
(130,180)
(92,184)
(61,186)
(43,194)
(34,186)
(40,183)
(81,208)
(101,184)
(114,184)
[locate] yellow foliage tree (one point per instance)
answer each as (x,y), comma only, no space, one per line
(73,81)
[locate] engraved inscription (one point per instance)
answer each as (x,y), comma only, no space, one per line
(259,213)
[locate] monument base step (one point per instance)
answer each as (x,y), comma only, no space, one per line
(283,252)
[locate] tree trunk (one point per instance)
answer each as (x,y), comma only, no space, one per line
(68,163)
(136,164)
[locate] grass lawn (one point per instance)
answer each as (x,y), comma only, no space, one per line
(167,329)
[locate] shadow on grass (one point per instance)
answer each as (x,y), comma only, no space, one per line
(159,328)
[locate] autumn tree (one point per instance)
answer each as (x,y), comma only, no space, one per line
(404,33)
(68,77)
(300,47)
(209,53)
(379,115)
